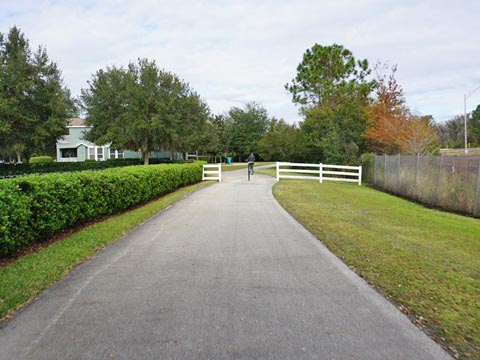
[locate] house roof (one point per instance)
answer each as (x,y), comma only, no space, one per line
(76,122)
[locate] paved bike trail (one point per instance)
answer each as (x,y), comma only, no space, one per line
(225,273)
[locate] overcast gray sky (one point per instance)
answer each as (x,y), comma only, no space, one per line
(232,52)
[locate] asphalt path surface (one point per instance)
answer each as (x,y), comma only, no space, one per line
(225,273)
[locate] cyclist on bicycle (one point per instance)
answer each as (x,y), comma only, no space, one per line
(251,160)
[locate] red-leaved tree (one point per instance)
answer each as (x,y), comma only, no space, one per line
(391,128)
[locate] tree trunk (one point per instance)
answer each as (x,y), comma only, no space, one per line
(19,156)
(145,156)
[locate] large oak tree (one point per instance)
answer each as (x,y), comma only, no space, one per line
(143,107)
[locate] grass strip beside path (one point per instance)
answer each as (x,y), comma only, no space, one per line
(238,166)
(426,260)
(270,172)
(23,279)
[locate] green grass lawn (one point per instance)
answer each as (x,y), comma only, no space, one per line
(23,279)
(232,167)
(269,172)
(424,259)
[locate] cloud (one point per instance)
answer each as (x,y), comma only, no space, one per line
(232,52)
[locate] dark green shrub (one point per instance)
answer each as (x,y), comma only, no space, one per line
(204,158)
(40,159)
(10,170)
(14,218)
(36,207)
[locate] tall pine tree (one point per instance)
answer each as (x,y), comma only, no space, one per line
(333,91)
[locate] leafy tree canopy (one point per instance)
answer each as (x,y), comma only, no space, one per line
(332,88)
(34,103)
(387,114)
(474,128)
(391,127)
(245,127)
(421,136)
(214,138)
(143,107)
(282,142)
(329,74)
(334,134)
(451,132)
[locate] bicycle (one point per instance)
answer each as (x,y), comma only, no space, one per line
(250,170)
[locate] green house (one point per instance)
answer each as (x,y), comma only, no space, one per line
(73,147)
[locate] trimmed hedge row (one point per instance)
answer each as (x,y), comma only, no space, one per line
(34,208)
(11,170)
(40,159)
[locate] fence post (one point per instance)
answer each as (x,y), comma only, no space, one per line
(398,168)
(416,176)
(278,173)
(397,182)
(476,191)
(359,175)
(219,172)
(321,173)
(439,176)
(384,171)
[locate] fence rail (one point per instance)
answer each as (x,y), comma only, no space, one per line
(318,173)
(448,182)
(212,174)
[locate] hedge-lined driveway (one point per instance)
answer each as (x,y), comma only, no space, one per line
(225,273)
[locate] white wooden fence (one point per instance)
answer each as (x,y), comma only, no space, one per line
(212,174)
(318,172)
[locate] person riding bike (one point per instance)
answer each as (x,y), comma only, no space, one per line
(251,161)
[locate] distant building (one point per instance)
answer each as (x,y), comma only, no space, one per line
(73,147)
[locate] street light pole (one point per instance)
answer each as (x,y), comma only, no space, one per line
(465,97)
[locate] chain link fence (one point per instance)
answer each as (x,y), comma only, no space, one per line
(449,182)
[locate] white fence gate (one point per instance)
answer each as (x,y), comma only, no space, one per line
(212,174)
(318,172)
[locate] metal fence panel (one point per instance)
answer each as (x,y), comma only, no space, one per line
(449,182)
